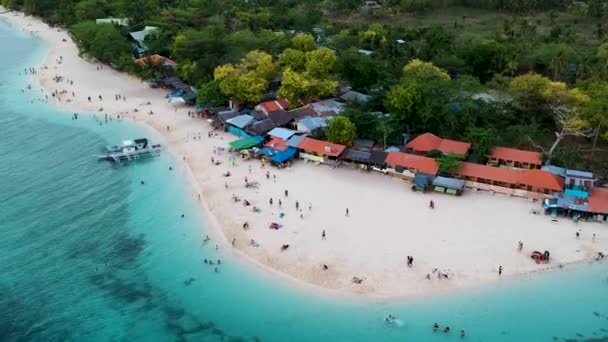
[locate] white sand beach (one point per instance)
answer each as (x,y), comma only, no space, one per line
(466,237)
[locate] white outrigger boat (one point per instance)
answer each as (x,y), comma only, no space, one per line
(130,150)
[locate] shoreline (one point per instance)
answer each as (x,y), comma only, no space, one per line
(213,208)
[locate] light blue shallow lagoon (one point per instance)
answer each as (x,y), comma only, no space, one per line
(87,253)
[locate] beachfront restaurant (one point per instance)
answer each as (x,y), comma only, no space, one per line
(450,186)
(593,208)
(524,183)
(406,166)
(514,158)
(319,151)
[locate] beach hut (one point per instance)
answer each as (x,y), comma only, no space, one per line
(311,125)
(428,142)
(260,127)
(272,106)
(354,96)
(515,158)
(318,150)
(237,124)
(329,107)
(377,160)
(281,133)
(282,118)
(295,140)
(283,157)
(448,185)
(361,158)
(407,165)
(363,144)
(422,182)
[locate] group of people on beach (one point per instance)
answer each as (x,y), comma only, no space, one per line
(210,262)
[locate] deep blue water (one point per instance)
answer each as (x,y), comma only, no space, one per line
(87,253)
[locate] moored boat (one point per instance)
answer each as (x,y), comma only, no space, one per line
(130,150)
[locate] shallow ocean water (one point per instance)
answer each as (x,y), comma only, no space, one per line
(87,253)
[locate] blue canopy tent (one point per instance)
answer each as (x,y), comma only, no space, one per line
(284,156)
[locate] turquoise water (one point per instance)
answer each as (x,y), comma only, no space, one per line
(87,253)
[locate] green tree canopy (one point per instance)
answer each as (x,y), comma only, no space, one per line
(341,130)
(303,42)
(104,41)
(293,59)
(210,94)
(420,71)
(320,62)
(449,163)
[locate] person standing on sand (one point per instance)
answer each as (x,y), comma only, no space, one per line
(270,201)
(297,205)
(323,235)
(520,246)
(499,270)
(286,193)
(347,212)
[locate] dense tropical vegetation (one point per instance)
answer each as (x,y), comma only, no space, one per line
(523,73)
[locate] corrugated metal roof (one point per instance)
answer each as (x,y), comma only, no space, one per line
(261,127)
(447,182)
(355,96)
(579,174)
(354,155)
(328,107)
(312,123)
(240,121)
(295,140)
(283,133)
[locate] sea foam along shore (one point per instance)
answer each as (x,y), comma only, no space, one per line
(467,237)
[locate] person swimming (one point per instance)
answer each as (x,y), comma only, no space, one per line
(435,326)
(446,330)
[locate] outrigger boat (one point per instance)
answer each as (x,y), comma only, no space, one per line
(130,150)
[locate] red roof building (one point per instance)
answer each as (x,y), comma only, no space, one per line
(428,142)
(541,181)
(513,157)
(489,174)
(277,144)
(598,201)
(412,162)
(272,106)
(155,59)
(530,180)
(320,147)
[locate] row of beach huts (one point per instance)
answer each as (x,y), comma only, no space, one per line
(279,136)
